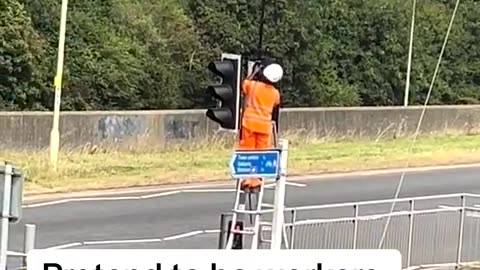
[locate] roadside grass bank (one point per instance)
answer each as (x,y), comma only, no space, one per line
(80,171)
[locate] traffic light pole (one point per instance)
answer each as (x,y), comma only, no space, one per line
(279,204)
(260,32)
(5,215)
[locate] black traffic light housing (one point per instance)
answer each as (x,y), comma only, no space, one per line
(227,114)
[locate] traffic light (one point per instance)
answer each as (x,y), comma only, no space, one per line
(227,92)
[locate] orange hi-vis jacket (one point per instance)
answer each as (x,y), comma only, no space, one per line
(260,100)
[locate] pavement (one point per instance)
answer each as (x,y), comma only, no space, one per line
(117,222)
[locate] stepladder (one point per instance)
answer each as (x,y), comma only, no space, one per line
(252,212)
(247,220)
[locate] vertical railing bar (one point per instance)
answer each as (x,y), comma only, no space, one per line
(410,232)
(355,225)
(292,231)
(221,237)
(476,246)
(460,234)
(28,241)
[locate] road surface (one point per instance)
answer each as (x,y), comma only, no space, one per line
(159,217)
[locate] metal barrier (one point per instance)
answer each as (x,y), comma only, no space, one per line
(430,230)
(28,244)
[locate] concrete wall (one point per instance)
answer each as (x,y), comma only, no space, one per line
(136,129)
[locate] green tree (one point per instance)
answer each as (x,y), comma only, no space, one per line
(20,51)
(131,54)
(122,54)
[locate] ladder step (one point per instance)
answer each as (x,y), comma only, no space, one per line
(270,205)
(251,212)
(247,231)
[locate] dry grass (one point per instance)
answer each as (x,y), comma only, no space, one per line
(81,171)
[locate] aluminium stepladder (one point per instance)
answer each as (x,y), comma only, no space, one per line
(239,208)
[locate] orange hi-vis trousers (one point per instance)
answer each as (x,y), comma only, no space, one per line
(250,140)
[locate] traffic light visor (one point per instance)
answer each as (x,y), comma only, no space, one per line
(222,68)
(223,92)
(222,116)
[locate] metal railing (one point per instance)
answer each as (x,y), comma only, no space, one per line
(28,244)
(429,230)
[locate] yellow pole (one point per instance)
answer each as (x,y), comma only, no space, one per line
(55,133)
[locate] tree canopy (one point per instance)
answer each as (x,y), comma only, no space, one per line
(130,54)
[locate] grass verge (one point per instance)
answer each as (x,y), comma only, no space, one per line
(209,162)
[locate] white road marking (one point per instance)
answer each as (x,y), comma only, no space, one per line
(119,191)
(378,172)
(106,242)
(156,195)
(184,235)
(69,245)
(295,184)
(288,183)
(79,200)
(208,190)
(94,195)
(47,203)
(447,206)
(176,190)
(212,231)
(129,241)
(141,197)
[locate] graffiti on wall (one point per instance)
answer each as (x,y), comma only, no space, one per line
(115,128)
(181,129)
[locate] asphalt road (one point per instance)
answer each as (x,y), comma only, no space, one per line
(185,212)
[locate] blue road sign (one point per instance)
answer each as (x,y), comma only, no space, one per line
(261,164)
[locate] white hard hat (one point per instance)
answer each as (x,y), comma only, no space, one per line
(273,73)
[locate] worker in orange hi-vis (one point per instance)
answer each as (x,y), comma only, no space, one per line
(261,97)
